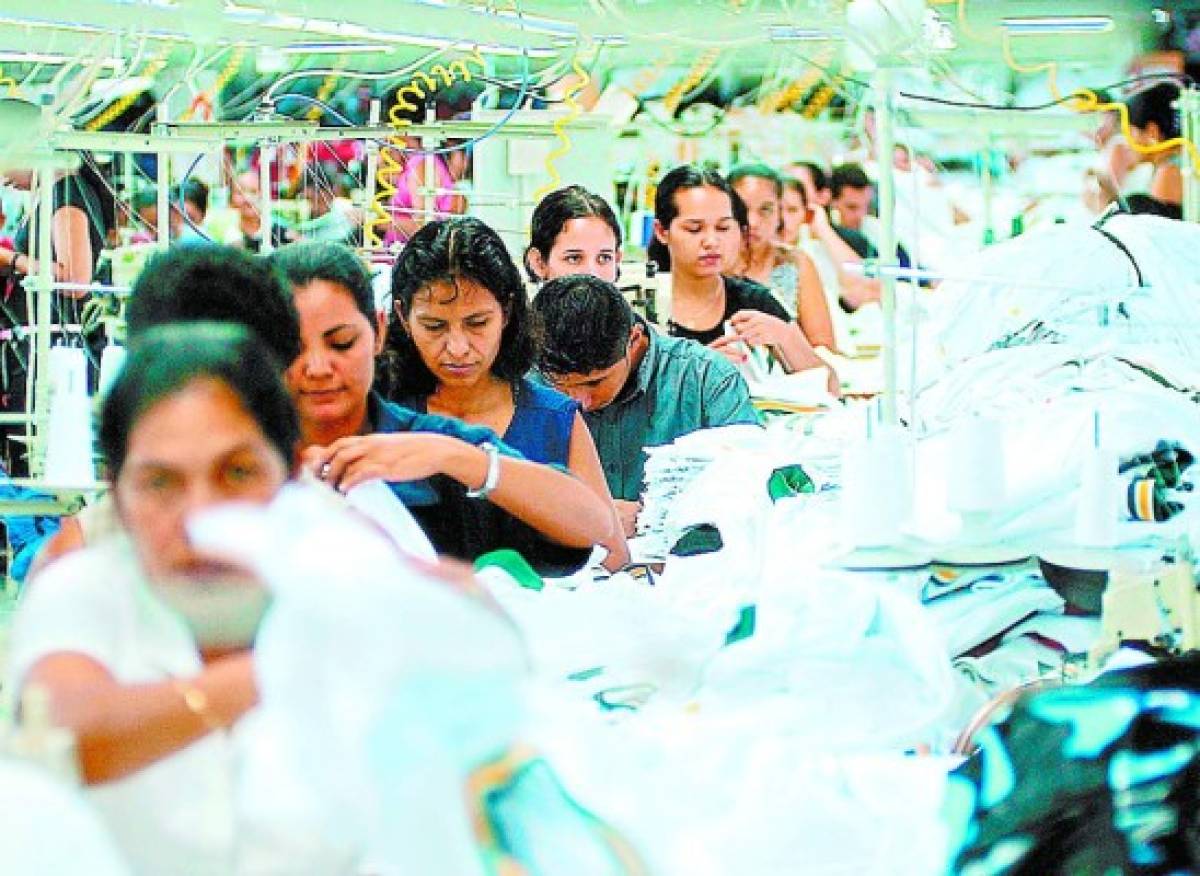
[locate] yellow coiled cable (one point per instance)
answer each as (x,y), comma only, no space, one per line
(420,86)
(1087,101)
(582,78)
(781,99)
(328,86)
(114,111)
(690,80)
(822,98)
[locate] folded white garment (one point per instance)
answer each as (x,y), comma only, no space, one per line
(971,617)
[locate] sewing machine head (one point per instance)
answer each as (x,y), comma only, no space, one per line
(1153,603)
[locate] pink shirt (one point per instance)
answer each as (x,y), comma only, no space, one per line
(402,201)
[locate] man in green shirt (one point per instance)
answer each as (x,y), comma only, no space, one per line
(637,388)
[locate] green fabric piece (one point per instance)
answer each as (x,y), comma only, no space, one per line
(1095,723)
(680,387)
(744,628)
(514,564)
(790,480)
(999,775)
(958,814)
(703,538)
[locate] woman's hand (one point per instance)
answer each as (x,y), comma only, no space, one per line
(405,456)
(26,266)
(731,347)
(818,218)
(761,329)
(627,513)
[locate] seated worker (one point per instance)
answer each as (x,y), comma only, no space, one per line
(573,231)
(237,287)
(839,249)
(466,487)
(198,415)
(637,388)
(188,207)
(1153,120)
(790,274)
(698,228)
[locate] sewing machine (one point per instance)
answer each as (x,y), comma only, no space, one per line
(641,284)
(1156,604)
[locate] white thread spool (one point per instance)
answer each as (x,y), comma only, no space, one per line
(1099,493)
(69,431)
(877,488)
(111,361)
(975,466)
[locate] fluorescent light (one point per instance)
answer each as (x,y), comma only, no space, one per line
(783,33)
(52,58)
(329,27)
(335,48)
(53,25)
(1058,25)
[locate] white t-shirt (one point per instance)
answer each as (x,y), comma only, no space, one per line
(179,815)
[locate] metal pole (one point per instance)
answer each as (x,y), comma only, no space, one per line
(885,144)
(43,296)
(266,155)
(370,236)
(163,185)
(1189,113)
(989,230)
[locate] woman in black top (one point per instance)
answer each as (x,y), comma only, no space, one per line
(697,227)
(79,224)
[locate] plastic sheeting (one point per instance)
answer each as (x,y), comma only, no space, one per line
(1073,283)
(381,688)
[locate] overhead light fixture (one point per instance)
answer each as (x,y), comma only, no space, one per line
(1065,24)
(49,24)
(53,58)
(784,33)
(329,27)
(525,21)
(336,48)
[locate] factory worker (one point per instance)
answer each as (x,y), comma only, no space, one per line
(637,388)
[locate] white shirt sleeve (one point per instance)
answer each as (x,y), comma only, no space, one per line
(73,606)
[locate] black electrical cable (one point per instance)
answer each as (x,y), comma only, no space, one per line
(1098,227)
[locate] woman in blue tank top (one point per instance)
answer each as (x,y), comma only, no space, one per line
(462,344)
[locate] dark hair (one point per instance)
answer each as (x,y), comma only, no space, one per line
(191,191)
(849,176)
(687,176)
(558,208)
(218,284)
(166,358)
(449,250)
(820,179)
(143,197)
(756,170)
(1154,105)
(585,324)
(1142,203)
(302,263)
